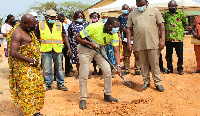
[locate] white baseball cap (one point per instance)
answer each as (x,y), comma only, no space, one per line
(33,13)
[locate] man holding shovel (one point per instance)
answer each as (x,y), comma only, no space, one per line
(98,34)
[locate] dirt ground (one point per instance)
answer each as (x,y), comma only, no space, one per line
(180,98)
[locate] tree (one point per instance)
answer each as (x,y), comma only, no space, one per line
(41,8)
(67,8)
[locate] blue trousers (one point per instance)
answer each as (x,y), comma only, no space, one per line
(47,67)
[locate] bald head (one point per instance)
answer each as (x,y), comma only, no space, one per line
(172,3)
(28,22)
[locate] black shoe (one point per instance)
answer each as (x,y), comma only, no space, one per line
(82,104)
(94,73)
(137,73)
(38,114)
(77,77)
(180,72)
(109,98)
(160,88)
(48,88)
(125,73)
(145,86)
(62,87)
(163,70)
(122,68)
(68,75)
(71,70)
(100,73)
(169,71)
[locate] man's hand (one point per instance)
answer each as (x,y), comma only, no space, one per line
(195,35)
(129,47)
(161,45)
(34,62)
(119,70)
(69,52)
(94,46)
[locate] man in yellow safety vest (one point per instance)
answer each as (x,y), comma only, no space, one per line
(51,34)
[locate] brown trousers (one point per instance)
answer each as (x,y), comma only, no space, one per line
(151,57)
(197,53)
(85,57)
(127,56)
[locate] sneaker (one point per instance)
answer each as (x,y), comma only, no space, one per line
(82,104)
(160,88)
(109,98)
(62,87)
(145,86)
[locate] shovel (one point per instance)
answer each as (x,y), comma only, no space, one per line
(127,83)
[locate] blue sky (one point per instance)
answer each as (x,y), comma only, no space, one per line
(16,7)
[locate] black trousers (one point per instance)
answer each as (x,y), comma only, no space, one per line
(160,61)
(68,65)
(179,51)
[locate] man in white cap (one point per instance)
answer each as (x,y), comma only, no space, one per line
(37,22)
(52,34)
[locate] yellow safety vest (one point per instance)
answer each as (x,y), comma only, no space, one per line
(50,40)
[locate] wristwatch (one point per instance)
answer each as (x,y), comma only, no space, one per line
(119,66)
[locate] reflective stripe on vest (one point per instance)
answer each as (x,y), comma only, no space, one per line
(45,41)
(87,35)
(115,41)
(58,26)
(42,25)
(57,42)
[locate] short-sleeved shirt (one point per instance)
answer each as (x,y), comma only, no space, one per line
(145,28)
(174,25)
(123,21)
(96,31)
(197,24)
(5,29)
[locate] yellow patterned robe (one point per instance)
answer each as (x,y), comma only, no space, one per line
(26,83)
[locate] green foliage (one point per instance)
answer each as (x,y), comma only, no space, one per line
(40,8)
(67,8)
(1,21)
